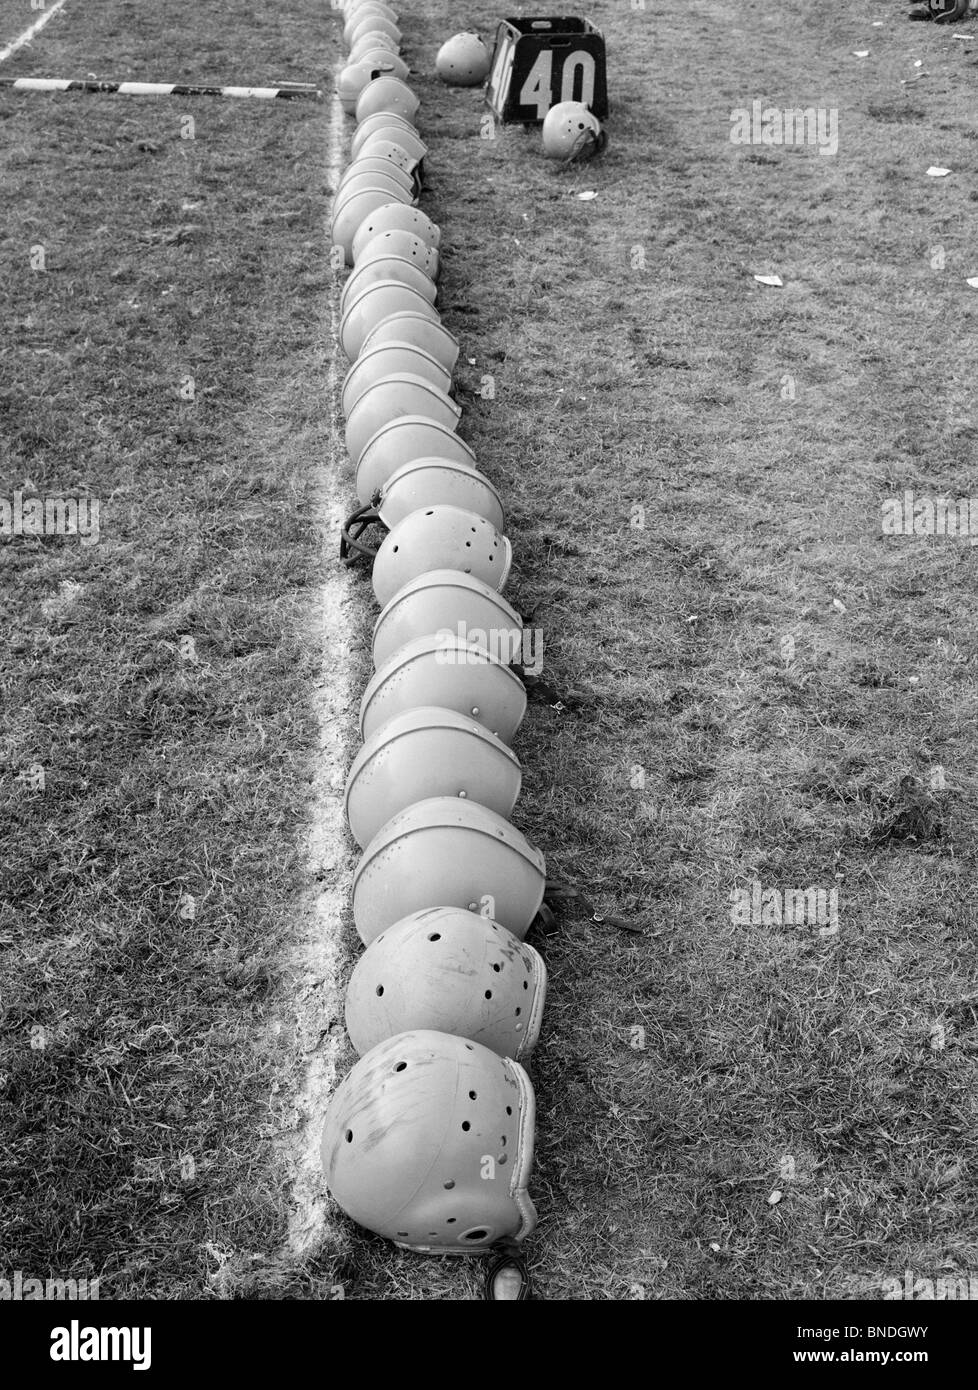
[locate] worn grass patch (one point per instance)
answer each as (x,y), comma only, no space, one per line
(169,361)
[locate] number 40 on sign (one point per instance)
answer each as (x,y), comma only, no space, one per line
(539,62)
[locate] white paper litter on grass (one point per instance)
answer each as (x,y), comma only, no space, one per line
(860,52)
(587,196)
(769,280)
(973,282)
(936,172)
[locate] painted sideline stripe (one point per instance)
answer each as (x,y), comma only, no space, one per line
(28,34)
(156,89)
(320,946)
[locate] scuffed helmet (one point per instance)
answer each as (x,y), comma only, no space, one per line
(371,42)
(427,751)
(454,971)
(387,94)
(438,538)
(350,210)
(422,483)
(400,186)
(570,131)
(401,268)
(382,157)
(463,61)
(376,173)
(410,437)
(383,120)
(381,60)
(395,215)
(390,150)
(389,399)
(416,485)
(397,134)
(355,77)
(452,853)
(356,14)
(439,669)
(376,302)
(370,22)
(429,1142)
(387,360)
(404,245)
(418,329)
(448,601)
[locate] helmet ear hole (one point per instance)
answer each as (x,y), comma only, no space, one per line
(441,990)
(420,1162)
(432,540)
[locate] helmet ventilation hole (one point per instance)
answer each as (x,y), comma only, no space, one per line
(466,1126)
(401,1066)
(434,936)
(451,1221)
(509,1110)
(476,1235)
(518,1012)
(395,549)
(469,1047)
(488,993)
(468,545)
(497,967)
(349,1136)
(379,991)
(449,1185)
(473,1095)
(501,1160)
(525,985)
(403,1233)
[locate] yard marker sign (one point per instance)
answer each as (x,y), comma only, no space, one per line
(287,90)
(540,62)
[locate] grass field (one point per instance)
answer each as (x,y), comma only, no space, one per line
(771,691)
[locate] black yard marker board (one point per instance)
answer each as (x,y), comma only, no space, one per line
(539,62)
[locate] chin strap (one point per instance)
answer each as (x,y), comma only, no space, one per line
(505,1255)
(588,145)
(556,892)
(352,546)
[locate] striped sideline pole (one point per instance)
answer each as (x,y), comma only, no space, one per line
(288,91)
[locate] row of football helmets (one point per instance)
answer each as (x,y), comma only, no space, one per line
(429,1138)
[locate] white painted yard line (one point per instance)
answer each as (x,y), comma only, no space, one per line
(321,951)
(35,28)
